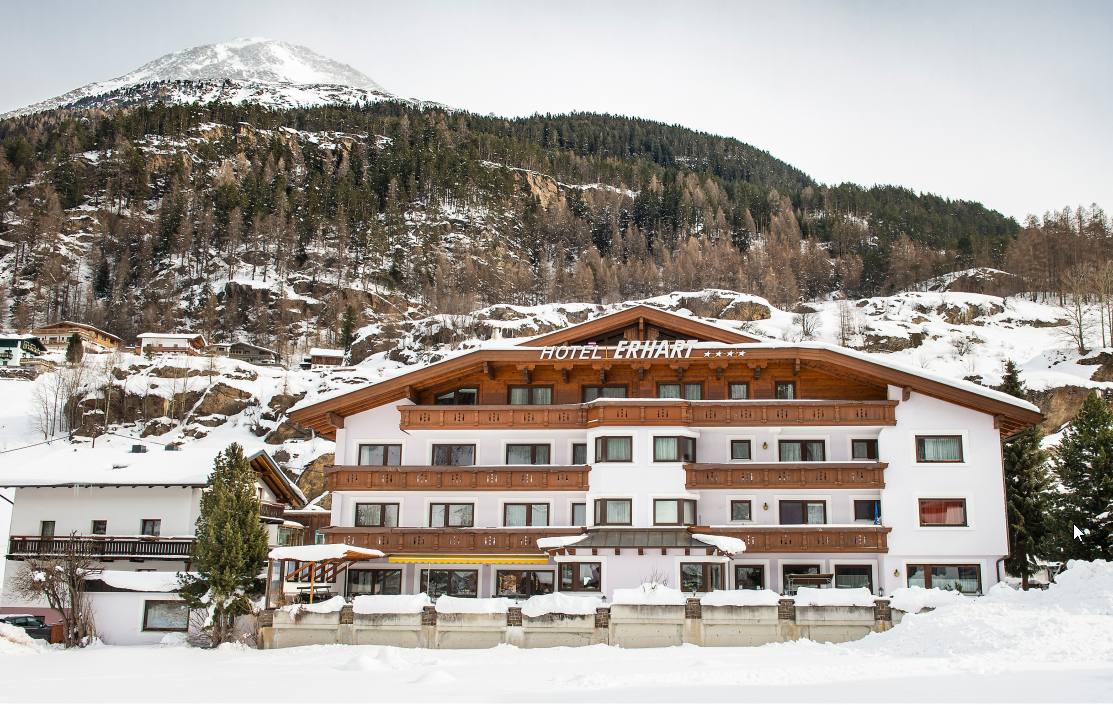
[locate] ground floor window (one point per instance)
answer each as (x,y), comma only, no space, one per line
(701,577)
(165,616)
(524,583)
(454,583)
(749,577)
(960,578)
(374,582)
(790,571)
(854,576)
(581,577)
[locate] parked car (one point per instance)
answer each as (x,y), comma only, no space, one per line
(35,627)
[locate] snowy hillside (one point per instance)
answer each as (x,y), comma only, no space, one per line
(264,71)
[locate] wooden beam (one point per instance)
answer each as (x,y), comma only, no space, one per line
(796,367)
(412,394)
(906,394)
(998,420)
(489,369)
(564,375)
(335,419)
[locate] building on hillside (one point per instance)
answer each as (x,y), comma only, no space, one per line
(20,350)
(56,337)
(246,352)
(596,456)
(323,357)
(136,511)
(181,343)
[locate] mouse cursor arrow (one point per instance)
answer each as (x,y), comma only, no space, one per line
(1077,533)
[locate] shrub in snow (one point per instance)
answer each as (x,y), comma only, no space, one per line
(649,594)
(560,603)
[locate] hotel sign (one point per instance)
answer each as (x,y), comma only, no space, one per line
(625,350)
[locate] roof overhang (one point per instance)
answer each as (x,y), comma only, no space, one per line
(271,475)
(636,314)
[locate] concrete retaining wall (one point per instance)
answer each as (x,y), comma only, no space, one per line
(628,626)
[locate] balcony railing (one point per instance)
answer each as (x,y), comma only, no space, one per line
(651,412)
(101,547)
(272,513)
(806,539)
(473,477)
(448,541)
(719,476)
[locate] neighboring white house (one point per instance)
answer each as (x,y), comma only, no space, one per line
(20,349)
(136,511)
(186,343)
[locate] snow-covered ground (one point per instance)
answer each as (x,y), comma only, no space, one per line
(1008,646)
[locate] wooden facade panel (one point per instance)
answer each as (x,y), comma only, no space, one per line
(563,478)
(718,476)
(447,541)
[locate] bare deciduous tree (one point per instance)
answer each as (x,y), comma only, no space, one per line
(59,580)
(1077,284)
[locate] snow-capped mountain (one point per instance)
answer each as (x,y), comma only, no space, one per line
(264,71)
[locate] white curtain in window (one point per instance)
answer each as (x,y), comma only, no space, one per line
(519,395)
(815,512)
(515,515)
(942,448)
(815,451)
(391,512)
(460,514)
(519,455)
(540,515)
(790,452)
(692,392)
(665,449)
(665,511)
(614,392)
(542,395)
(618,449)
(669,391)
(618,512)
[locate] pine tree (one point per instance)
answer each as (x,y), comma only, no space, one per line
(1084,467)
(348,327)
(1010,382)
(75,349)
(230,548)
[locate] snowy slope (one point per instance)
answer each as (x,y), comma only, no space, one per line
(264,71)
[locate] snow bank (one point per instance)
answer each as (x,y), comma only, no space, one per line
(914,599)
(726,544)
(559,541)
(649,594)
(14,640)
(740,598)
(322,552)
(472,605)
(334,604)
(560,603)
(833,597)
(390,604)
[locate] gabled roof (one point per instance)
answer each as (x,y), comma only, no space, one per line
(67,325)
(634,315)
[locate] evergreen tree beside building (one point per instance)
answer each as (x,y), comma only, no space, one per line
(75,350)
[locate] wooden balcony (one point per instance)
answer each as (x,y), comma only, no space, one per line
(448,541)
(805,539)
(802,476)
(650,412)
(101,547)
(515,478)
(272,513)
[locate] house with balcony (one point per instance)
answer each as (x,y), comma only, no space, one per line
(20,350)
(56,337)
(180,343)
(619,450)
(134,508)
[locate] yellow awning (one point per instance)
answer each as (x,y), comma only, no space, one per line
(485,560)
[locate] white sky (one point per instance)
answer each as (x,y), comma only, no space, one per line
(1008,104)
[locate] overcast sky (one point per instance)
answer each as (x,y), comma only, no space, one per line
(1008,104)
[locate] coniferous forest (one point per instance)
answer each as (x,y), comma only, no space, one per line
(247,223)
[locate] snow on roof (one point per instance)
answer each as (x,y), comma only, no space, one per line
(322,552)
(71,324)
(171,336)
(325,352)
(726,544)
(559,541)
(153,581)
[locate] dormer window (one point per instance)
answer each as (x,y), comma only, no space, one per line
(459,397)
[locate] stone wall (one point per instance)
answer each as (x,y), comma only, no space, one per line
(628,626)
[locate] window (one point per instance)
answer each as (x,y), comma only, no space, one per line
(960,578)
(378,454)
(675,390)
(579,454)
(787,570)
(580,577)
(100,527)
(593,392)
(525,515)
(938,449)
(442,515)
(786,390)
(579,515)
(165,616)
(614,449)
(863,449)
(749,577)
(798,512)
(701,577)
(374,582)
(797,451)
(740,450)
(527,454)
(674,448)
(854,576)
(377,515)
(531,395)
(46,529)
(740,510)
(524,583)
(465,395)
(674,511)
(612,511)
(454,455)
(942,512)
(867,510)
(289,536)
(739,390)
(319,538)
(151,527)
(454,583)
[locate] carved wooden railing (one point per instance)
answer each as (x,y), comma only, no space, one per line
(805,539)
(427,540)
(100,547)
(651,412)
(718,476)
(270,512)
(472,477)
